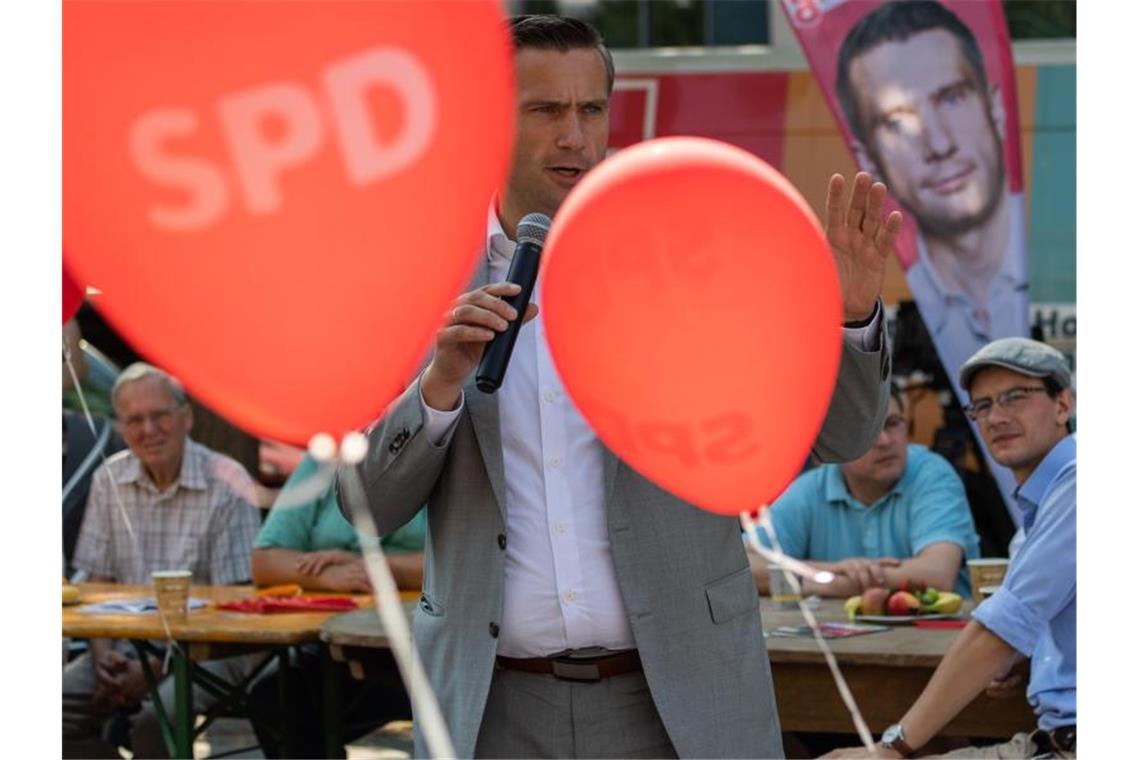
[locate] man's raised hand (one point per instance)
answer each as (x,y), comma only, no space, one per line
(861,240)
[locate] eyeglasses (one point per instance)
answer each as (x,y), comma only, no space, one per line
(161,418)
(1012,399)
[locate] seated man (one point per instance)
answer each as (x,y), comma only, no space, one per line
(164,503)
(1020,397)
(313,545)
(896,514)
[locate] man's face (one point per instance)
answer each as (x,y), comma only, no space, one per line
(883,465)
(152,423)
(1019,435)
(563,126)
(931,131)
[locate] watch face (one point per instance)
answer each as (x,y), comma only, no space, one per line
(892,734)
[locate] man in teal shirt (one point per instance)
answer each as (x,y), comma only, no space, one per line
(312,545)
(307,541)
(897,514)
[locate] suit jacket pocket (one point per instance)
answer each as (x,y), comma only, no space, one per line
(732,596)
(429,605)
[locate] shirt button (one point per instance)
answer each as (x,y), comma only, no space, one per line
(556,461)
(569,595)
(550,396)
(494,627)
(502,541)
(559,527)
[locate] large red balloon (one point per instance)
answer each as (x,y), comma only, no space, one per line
(72,295)
(279,199)
(693,310)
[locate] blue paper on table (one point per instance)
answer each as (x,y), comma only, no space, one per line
(136,606)
(829,630)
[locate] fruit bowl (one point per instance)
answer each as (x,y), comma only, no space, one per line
(901,606)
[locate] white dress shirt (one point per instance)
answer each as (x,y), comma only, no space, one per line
(560,584)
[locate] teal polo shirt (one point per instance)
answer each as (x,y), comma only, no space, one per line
(817,518)
(318,525)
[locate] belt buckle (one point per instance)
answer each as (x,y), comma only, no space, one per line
(576,671)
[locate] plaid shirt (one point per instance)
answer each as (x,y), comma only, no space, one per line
(205,523)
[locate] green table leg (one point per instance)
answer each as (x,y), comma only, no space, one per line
(159,708)
(285,695)
(183,705)
(331,673)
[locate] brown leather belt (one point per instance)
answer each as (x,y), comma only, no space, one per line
(576,668)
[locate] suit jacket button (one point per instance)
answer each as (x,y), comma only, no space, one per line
(494,630)
(502,541)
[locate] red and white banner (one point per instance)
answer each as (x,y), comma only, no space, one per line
(925,95)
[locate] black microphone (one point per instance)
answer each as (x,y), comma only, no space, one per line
(531,236)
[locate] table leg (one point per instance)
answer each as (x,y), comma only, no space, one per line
(156,698)
(183,704)
(331,708)
(285,696)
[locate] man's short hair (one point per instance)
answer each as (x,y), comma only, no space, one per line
(898,21)
(562,33)
(141,370)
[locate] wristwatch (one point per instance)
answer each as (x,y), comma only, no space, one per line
(864,322)
(893,738)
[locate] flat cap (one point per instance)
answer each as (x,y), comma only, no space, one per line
(1029,357)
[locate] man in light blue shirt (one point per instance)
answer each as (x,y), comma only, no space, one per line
(897,514)
(1021,398)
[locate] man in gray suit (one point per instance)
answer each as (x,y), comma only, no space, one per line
(571,607)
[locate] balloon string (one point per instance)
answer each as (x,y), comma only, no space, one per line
(395,622)
(790,568)
(136,547)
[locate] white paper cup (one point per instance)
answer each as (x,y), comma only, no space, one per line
(986,572)
(988,591)
(172,591)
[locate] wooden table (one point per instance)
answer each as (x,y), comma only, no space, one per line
(205,634)
(885,671)
(357,640)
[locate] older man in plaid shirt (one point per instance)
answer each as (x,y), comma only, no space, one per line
(165,503)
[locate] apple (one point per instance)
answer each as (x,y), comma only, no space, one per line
(874,601)
(902,603)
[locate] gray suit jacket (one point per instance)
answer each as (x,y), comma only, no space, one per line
(683,573)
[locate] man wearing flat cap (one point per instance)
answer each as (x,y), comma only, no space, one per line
(1021,397)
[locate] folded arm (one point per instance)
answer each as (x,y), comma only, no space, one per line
(331,570)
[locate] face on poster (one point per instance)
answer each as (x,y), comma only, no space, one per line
(927,121)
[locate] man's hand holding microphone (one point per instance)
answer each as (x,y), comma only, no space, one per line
(486,315)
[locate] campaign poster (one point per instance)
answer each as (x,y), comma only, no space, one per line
(924,93)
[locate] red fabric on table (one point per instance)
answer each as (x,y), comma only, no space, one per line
(273,604)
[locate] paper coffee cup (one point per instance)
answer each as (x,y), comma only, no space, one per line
(172,591)
(985,572)
(988,591)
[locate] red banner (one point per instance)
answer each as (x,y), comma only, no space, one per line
(925,95)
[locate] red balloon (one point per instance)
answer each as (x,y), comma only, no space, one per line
(279,200)
(692,307)
(72,295)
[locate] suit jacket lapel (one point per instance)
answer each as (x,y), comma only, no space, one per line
(483,409)
(610,462)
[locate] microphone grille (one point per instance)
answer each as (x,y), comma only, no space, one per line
(533,228)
